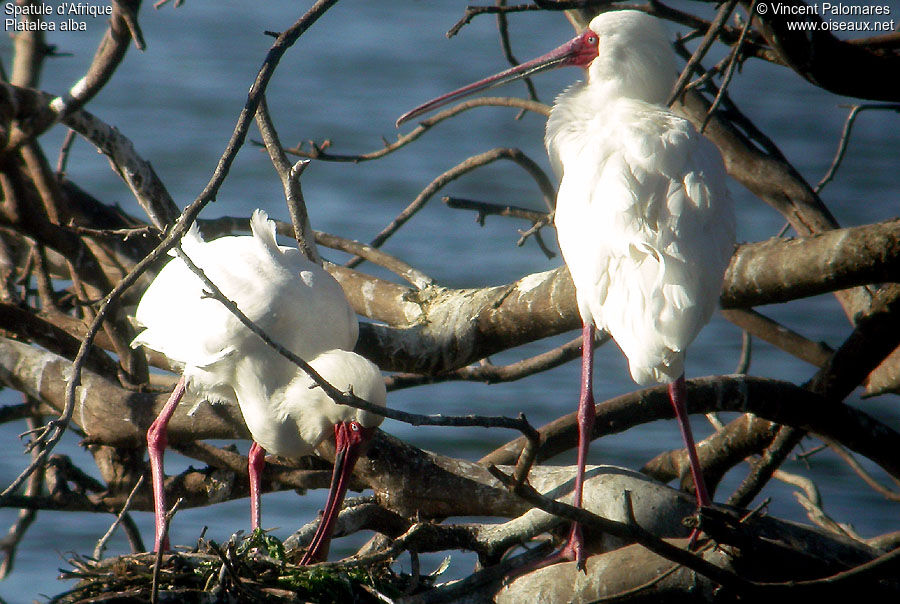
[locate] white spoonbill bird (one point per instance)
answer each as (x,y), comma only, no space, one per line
(643,216)
(299,305)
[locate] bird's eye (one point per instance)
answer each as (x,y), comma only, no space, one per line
(355,426)
(592,40)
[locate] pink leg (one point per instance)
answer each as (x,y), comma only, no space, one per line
(574,547)
(586,412)
(156,446)
(256,462)
(678,396)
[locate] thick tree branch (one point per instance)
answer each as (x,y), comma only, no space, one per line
(437,329)
(762,397)
(836,65)
(779,270)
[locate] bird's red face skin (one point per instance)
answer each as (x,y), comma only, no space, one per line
(350,439)
(584,49)
(352,435)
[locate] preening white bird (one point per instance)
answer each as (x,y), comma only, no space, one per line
(299,305)
(643,215)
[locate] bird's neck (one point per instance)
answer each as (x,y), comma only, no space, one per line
(261,381)
(578,111)
(599,96)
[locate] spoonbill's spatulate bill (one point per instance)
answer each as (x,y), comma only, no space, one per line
(298,304)
(643,216)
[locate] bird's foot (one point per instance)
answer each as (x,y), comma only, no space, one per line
(573,550)
(696,531)
(312,557)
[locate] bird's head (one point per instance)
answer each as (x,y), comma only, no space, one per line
(353,429)
(626,48)
(348,371)
(635,58)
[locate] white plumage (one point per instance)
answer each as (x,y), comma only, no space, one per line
(293,417)
(643,216)
(299,305)
(280,290)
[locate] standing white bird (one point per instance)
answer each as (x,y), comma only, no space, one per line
(297,303)
(643,216)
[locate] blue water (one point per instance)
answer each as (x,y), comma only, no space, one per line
(347,80)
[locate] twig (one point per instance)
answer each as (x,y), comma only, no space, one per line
(538,219)
(477,161)
(318,151)
(46,293)
(711,34)
(739,120)
(810,500)
(861,471)
(396,547)
(761,326)
(290,181)
(473,11)
(810,491)
(729,71)
(125,234)
(26,516)
(129,16)
(706,76)
(857,573)
(303,232)
(101,544)
(746,353)
(555,5)
(485,209)
(535,231)
(64,151)
(762,470)
(412,275)
(503,30)
(855,110)
(157,565)
(492,374)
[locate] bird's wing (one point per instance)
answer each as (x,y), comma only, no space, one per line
(179,321)
(653,229)
(293,300)
(311,308)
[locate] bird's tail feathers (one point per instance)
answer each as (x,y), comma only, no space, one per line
(661,369)
(191,241)
(264,229)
